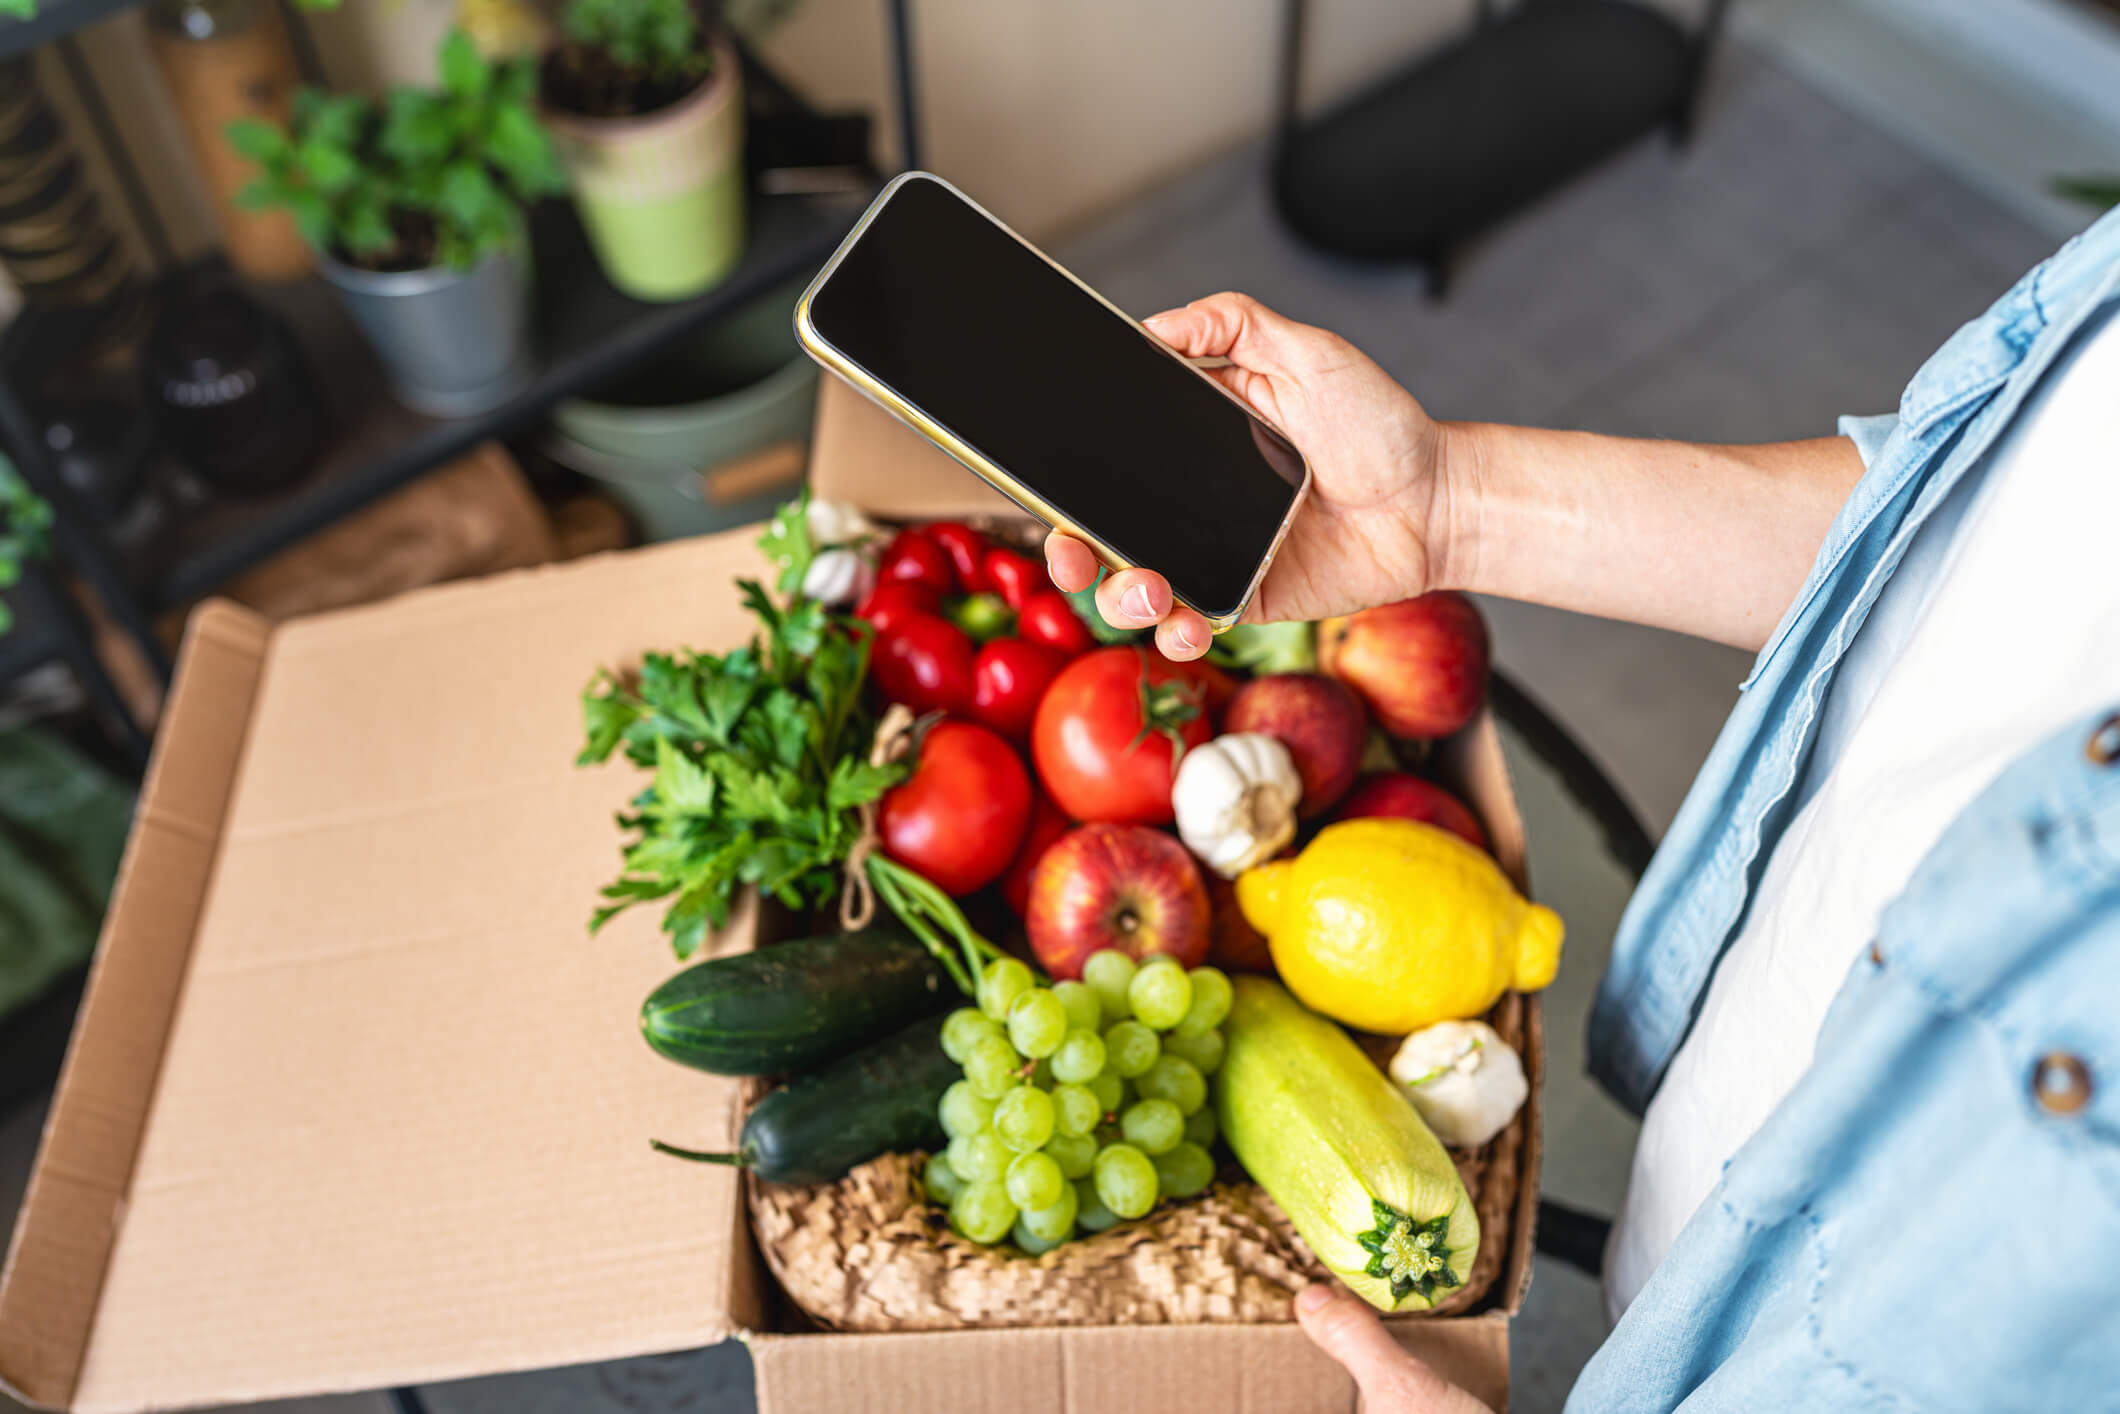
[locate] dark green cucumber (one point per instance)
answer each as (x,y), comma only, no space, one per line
(795,1005)
(881,1100)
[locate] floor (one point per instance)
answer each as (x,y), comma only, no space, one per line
(1794,264)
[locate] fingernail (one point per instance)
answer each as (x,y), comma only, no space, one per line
(1157,318)
(1182,638)
(1137,604)
(1310,1298)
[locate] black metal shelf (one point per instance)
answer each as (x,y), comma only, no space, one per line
(587,334)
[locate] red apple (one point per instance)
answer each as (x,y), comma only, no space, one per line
(1233,944)
(1400,796)
(1420,664)
(1317,719)
(1116,886)
(1047,825)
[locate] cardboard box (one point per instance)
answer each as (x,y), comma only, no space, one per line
(353,1100)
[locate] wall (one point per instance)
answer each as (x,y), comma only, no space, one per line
(1050,113)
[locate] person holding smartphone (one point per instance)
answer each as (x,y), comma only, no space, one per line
(1867,998)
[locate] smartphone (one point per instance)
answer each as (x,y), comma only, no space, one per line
(978,341)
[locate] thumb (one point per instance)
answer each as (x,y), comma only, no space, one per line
(1392,1382)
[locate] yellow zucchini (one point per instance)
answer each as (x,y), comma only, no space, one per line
(1341,1149)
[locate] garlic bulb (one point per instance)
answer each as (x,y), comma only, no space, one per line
(835,523)
(1235,799)
(1466,1081)
(838,576)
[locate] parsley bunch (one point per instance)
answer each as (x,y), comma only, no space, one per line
(761,769)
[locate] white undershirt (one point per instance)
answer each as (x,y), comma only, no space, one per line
(2001,624)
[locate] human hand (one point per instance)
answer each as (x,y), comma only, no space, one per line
(1346,1327)
(1362,536)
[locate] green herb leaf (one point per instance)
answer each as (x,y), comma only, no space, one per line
(260,141)
(329,168)
(857,782)
(464,70)
(681,787)
(787,543)
(606,713)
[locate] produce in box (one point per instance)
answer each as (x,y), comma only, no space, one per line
(1342,1151)
(1389,925)
(1108,1129)
(1052,1109)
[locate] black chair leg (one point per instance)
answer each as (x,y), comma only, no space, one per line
(1573,1236)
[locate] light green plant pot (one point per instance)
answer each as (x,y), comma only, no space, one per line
(662,195)
(656,437)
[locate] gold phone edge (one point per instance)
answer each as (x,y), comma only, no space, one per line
(880,393)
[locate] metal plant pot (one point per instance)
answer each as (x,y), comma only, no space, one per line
(454,341)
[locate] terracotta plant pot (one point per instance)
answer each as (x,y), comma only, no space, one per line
(662,194)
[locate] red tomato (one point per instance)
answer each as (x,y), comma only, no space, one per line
(926,663)
(1047,825)
(960,817)
(1047,618)
(1008,678)
(966,548)
(912,555)
(1103,738)
(1216,686)
(1014,577)
(893,599)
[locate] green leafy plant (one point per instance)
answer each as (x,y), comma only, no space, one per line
(661,37)
(24,518)
(426,177)
(762,772)
(623,57)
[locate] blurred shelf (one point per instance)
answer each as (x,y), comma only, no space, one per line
(38,636)
(33,1039)
(587,334)
(55,18)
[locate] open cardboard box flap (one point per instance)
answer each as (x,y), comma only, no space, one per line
(354,1101)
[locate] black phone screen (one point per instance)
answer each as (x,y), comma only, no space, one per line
(959,318)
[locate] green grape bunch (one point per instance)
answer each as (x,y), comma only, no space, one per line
(1083,1104)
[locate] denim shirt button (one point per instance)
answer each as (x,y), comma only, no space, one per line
(2104,745)
(2061,1083)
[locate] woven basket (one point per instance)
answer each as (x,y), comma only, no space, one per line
(869,1253)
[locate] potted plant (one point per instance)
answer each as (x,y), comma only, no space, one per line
(414,207)
(645,101)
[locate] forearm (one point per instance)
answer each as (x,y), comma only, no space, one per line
(1708,540)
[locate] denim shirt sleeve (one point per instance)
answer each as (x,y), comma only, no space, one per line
(1697,887)
(1869,434)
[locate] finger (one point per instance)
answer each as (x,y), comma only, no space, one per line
(1346,1327)
(1133,598)
(1070,563)
(1183,635)
(1227,325)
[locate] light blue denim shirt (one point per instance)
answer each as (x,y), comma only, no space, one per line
(1931,1219)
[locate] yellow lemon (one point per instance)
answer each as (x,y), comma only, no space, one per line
(1391,925)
